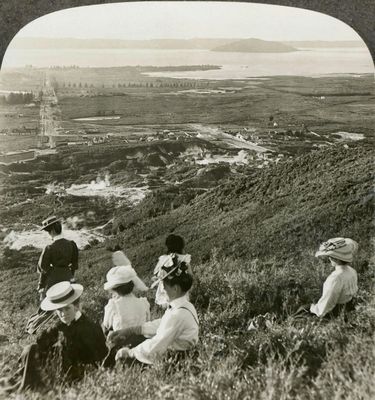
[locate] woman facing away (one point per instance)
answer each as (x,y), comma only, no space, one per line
(175,253)
(341,285)
(124,309)
(175,333)
(59,260)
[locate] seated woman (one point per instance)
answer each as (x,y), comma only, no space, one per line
(124,309)
(176,331)
(62,350)
(175,250)
(341,285)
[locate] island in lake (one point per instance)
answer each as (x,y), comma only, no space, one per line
(255,46)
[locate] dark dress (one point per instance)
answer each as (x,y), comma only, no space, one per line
(57,263)
(63,351)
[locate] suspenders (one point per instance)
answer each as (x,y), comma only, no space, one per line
(185,308)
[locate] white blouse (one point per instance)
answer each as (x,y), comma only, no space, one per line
(339,288)
(126,311)
(176,330)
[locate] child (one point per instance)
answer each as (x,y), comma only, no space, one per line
(70,345)
(124,309)
(177,331)
(175,248)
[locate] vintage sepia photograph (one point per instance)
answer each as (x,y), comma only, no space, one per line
(187,203)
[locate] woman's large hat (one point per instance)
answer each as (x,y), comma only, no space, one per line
(172,266)
(48,222)
(340,248)
(60,295)
(122,274)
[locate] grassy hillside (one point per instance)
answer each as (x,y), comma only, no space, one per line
(252,242)
(284,211)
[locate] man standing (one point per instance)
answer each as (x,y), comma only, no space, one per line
(59,261)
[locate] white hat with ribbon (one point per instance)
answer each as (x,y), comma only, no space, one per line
(122,274)
(340,248)
(60,295)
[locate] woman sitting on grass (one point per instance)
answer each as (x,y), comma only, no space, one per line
(176,331)
(175,249)
(340,287)
(124,309)
(62,352)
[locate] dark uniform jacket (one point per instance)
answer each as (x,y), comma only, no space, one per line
(81,343)
(57,263)
(61,353)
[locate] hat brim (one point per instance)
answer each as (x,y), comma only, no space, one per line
(160,279)
(138,284)
(43,228)
(325,254)
(48,305)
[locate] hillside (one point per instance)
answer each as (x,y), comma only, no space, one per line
(252,242)
(255,46)
(282,211)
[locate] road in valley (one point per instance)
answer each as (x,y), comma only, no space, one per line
(48,112)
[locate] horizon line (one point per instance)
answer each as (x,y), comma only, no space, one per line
(192,38)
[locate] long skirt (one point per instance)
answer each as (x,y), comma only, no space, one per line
(130,342)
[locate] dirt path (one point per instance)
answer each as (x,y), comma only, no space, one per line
(214,133)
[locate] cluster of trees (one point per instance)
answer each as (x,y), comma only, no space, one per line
(141,84)
(79,85)
(17,98)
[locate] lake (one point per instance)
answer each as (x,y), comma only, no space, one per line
(305,62)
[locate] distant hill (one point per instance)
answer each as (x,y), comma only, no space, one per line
(71,43)
(198,43)
(326,44)
(255,46)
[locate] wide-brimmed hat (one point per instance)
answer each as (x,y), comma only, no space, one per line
(340,248)
(48,222)
(60,295)
(172,266)
(122,274)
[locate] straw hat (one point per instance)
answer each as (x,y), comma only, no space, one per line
(60,295)
(48,222)
(122,274)
(340,248)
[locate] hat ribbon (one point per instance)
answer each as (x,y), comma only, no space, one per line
(334,245)
(66,297)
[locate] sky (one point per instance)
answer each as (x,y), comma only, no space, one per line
(187,20)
